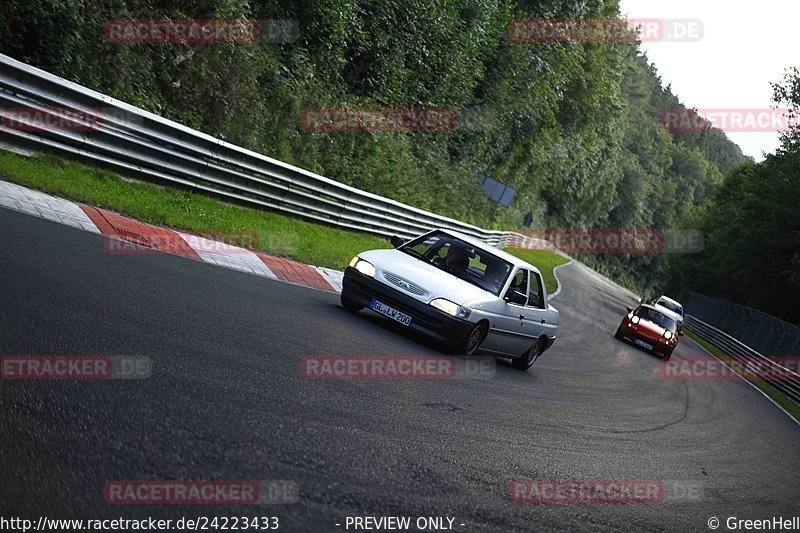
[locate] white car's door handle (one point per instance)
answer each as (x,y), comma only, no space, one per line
(543,321)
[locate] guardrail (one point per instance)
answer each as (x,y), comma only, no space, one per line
(759,330)
(780,377)
(102,130)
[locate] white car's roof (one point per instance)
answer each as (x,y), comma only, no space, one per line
(668,312)
(514,260)
(665,311)
(668,299)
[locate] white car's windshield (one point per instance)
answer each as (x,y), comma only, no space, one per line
(675,308)
(461,259)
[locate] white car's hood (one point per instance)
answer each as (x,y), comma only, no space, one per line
(437,283)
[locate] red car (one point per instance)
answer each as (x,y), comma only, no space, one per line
(650,328)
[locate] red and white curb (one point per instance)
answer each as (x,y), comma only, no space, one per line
(44,206)
(122,233)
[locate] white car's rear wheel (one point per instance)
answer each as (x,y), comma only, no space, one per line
(530,357)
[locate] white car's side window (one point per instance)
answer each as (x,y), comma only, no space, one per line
(519,283)
(535,292)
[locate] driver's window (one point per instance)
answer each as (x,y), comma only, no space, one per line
(519,282)
(535,292)
(439,254)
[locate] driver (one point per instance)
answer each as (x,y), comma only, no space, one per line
(457,260)
(495,275)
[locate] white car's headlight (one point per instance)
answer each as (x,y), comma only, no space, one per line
(635,320)
(451,308)
(668,334)
(366,268)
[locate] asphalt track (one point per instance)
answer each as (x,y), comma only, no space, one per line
(226,400)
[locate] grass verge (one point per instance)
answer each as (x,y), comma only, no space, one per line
(780,398)
(274,233)
(545,261)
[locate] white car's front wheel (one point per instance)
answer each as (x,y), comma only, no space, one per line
(474,340)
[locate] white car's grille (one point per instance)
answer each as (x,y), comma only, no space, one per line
(404,284)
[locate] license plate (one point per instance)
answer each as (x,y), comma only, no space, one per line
(391,312)
(643,344)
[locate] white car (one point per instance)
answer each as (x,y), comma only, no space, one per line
(459,291)
(674,308)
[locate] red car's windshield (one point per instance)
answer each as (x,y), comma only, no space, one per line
(651,315)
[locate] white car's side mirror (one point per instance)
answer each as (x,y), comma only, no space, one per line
(515,297)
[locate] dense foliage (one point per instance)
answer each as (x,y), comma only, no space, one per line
(752,228)
(575,127)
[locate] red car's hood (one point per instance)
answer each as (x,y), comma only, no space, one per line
(649,329)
